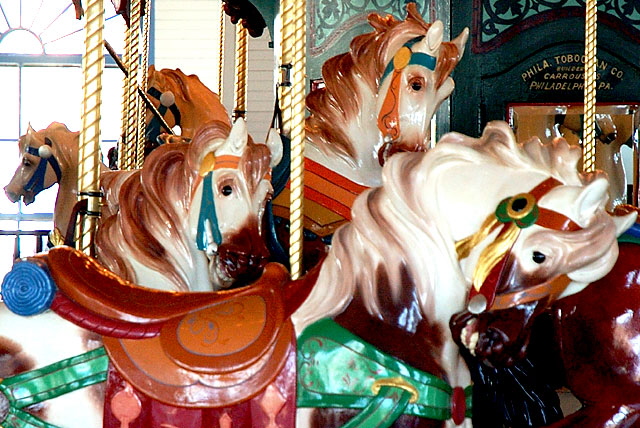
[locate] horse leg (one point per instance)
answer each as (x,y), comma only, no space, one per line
(602,415)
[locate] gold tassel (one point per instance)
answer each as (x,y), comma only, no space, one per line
(493,253)
(464,246)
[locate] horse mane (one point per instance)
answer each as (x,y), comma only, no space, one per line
(394,241)
(334,106)
(176,79)
(56,131)
(154,202)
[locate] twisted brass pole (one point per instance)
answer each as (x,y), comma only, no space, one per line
(89,153)
(221,53)
(128,158)
(240,102)
(144,65)
(294,29)
(590,50)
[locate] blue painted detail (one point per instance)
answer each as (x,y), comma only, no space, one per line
(207,213)
(28,288)
(36,182)
(417,58)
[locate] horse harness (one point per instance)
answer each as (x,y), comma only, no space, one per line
(512,215)
(36,182)
(389,117)
(154,128)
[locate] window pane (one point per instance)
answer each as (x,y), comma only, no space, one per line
(111,111)
(8,164)
(9,107)
(51,94)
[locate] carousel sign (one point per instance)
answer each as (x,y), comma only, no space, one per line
(565,72)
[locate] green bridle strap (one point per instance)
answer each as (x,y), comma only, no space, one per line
(26,389)
(338,369)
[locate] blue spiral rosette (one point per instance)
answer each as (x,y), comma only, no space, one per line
(28,289)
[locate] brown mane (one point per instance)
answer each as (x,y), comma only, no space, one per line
(155,201)
(335,106)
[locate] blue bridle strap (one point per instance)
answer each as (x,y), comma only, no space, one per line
(155,93)
(417,58)
(207,213)
(36,182)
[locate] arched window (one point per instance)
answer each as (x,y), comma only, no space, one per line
(41,45)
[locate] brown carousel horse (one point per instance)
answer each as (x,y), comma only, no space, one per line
(184,100)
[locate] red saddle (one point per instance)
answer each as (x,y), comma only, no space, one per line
(214,349)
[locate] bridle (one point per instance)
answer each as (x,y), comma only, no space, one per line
(36,182)
(154,128)
(388,117)
(511,216)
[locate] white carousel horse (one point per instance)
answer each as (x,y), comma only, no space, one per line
(378,99)
(422,247)
(196,209)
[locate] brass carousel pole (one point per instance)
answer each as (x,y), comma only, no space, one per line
(144,65)
(128,147)
(588,139)
(240,109)
(294,28)
(89,153)
(221,53)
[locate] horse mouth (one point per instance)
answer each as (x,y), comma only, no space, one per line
(237,268)
(469,335)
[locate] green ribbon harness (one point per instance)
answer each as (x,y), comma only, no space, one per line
(26,389)
(337,369)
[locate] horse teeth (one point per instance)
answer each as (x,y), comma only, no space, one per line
(473,341)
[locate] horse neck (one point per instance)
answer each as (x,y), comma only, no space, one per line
(203,107)
(67,157)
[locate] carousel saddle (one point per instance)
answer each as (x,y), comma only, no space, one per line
(214,349)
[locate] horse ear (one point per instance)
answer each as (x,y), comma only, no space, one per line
(238,136)
(461,41)
(274,142)
(434,35)
(593,197)
(30,129)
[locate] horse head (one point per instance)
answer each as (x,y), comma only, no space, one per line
(380,96)
(236,186)
(40,166)
(546,243)
(415,81)
(183,100)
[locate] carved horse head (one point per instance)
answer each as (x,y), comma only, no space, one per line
(546,244)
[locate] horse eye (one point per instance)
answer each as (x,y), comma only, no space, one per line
(26,162)
(226,190)
(538,257)
(417,83)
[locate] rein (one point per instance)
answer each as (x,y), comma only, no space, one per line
(389,117)
(36,182)
(511,216)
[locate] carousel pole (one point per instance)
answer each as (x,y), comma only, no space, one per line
(221,53)
(588,138)
(294,28)
(128,153)
(240,103)
(144,65)
(89,153)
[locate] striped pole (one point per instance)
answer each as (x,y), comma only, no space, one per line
(590,50)
(89,153)
(294,35)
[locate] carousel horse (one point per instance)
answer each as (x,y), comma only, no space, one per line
(378,99)
(196,210)
(188,101)
(184,101)
(612,132)
(48,156)
(374,333)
